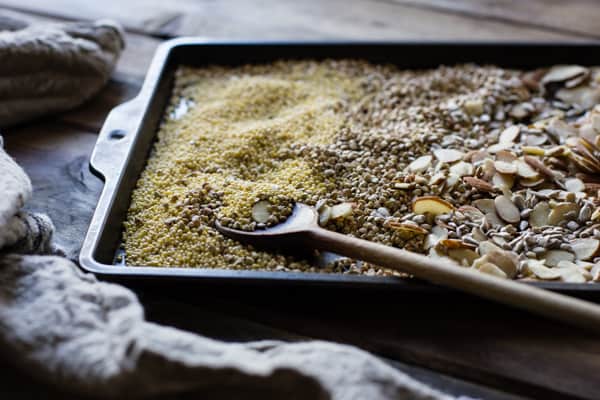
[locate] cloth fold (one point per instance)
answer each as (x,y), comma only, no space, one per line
(50,67)
(90,337)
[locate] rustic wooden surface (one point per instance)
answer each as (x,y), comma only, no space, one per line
(464,346)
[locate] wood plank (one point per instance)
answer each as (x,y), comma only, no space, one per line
(579,17)
(56,157)
(137,16)
(239,19)
(336,19)
(212,318)
(467,337)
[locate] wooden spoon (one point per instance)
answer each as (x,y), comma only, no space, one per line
(302,229)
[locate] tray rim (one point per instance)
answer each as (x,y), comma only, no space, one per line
(138,107)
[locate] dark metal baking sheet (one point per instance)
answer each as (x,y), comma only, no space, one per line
(128,134)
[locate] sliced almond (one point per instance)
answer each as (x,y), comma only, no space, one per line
(572,275)
(420,164)
(499,147)
(341,210)
(507,210)
(463,256)
(452,180)
(478,156)
(525,170)
(553,257)
(539,166)
(506,156)
(539,215)
(479,184)
(585,97)
(531,182)
(487,170)
(432,205)
(491,269)
(260,211)
(404,227)
(437,178)
(324,215)
(478,234)
(509,134)
(503,181)
(487,246)
(535,140)
(462,168)
(493,219)
(507,261)
(448,155)
(560,211)
(456,244)
(574,185)
(473,213)
(585,248)
(437,233)
(505,167)
(485,205)
(537,268)
(561,73)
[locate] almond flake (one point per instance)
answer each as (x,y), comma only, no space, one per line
(585,248)
(574,185)
(491,269)
(505,167)
(560,211)
(507,210)
(341,210)
(260,211)
(463,256)
(420,164)
(432,205)
(448,155)
(503,181)
(539,215)
(506,156)
(553,257)
(537,268)
(524,170)
(478,184)
(499,147)
(461,169)
(509,134)
(324,215)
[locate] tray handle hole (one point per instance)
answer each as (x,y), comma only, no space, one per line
(117,134)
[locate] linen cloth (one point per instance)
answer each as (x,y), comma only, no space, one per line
(90,337)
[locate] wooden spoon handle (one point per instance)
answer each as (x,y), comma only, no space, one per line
(549,304)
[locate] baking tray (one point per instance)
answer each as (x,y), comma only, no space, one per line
(128,134)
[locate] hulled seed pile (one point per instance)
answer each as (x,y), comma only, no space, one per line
(495,169)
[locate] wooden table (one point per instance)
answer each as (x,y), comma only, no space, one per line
(461,345)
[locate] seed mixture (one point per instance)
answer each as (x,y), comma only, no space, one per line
(495,169)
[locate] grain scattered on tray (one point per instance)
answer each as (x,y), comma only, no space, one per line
(496,169)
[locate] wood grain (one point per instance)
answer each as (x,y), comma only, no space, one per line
(464,337)
(358,19)
(579,17)
(56,158)
(272,19)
